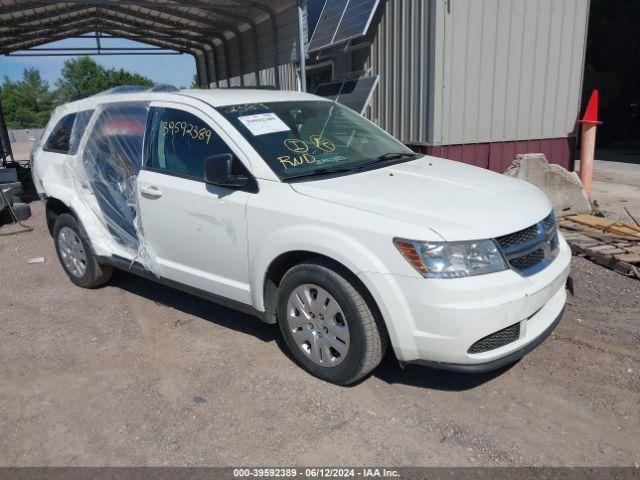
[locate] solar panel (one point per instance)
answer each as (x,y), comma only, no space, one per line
(342,20)
(356,20)
(327,24)
(355,94)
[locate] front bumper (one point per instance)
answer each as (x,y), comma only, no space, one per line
(435,321)
(498,363)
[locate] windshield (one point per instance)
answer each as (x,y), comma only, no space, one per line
(309,138)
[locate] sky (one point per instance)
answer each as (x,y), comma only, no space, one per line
(176,70)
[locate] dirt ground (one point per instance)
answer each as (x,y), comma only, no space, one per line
(137,374)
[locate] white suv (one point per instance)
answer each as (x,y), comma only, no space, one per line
(304,213)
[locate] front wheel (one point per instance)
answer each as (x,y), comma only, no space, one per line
(327,324)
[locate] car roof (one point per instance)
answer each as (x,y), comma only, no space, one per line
(215,97)
(218,97)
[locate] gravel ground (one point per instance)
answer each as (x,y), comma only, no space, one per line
(137,374)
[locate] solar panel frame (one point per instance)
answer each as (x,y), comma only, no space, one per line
(366,84)
(346,29)
(332,31)
(327,25)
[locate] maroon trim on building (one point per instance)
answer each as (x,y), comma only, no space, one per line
(497,156)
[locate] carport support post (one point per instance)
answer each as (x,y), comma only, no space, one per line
(207,67)
(301,53)
(198,69)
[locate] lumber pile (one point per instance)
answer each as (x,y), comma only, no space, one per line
(607,242)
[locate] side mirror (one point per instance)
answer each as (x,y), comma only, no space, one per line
(217,170)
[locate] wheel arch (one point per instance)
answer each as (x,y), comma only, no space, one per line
(286,260)
(55,207)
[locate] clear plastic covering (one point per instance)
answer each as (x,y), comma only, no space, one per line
(105,156)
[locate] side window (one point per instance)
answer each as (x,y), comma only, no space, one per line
(80,125)
(180,142)
(60,136)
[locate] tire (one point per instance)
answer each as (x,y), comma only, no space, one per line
(362,339)
(71,241)
(22,211)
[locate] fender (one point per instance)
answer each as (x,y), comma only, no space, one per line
(348,251)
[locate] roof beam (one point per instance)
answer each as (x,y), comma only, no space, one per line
(24,6)
(48,26)
(193,18)
(48,16)
(123,32)
(37,41)
(113,20)
(137,33)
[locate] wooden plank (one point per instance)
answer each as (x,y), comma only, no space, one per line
(606,225)
(607,250)
(628,257)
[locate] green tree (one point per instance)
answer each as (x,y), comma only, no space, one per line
(82,76)
(27,102)
(122,77)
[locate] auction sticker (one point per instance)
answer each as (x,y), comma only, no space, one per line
(263,123)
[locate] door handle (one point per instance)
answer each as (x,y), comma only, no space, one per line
(151,192)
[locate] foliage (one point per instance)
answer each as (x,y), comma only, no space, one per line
(27,103)
(81,77)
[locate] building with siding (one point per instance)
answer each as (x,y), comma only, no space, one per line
(476,81)
(472,80)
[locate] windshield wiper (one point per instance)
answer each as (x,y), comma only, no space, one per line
(394,156)
(328,170)
(387,157)
(323,171)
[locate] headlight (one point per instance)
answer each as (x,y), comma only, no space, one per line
(452,259)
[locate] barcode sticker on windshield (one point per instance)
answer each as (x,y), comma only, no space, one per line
(263,123)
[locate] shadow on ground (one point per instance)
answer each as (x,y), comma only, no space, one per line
(192,305)
(388,371)
(432,378)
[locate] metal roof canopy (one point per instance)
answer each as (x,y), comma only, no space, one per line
(194,27)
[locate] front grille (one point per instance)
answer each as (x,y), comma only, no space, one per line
(529,260)
(496,340)
(515,239)
(549,223)
(530,250)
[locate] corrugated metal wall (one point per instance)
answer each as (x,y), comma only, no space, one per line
(506,69)
(452,71)
(287,23)
(401,55)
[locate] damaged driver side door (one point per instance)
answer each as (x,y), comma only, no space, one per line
(197,231)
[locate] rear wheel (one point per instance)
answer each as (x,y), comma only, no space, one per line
(75,254)
(327,324)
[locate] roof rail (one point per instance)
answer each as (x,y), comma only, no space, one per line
(163,87)
(122,89)
(250,87)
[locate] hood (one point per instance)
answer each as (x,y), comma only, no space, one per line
(457,201)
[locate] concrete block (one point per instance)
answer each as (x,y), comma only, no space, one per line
(563,188)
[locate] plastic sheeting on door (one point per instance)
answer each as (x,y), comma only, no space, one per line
(105,156)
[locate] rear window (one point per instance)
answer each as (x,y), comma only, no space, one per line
(60,136)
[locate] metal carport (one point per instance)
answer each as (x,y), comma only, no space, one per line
(233,42)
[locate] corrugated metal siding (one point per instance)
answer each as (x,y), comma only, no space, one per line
(507,69)
(400,54)
(287,22)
